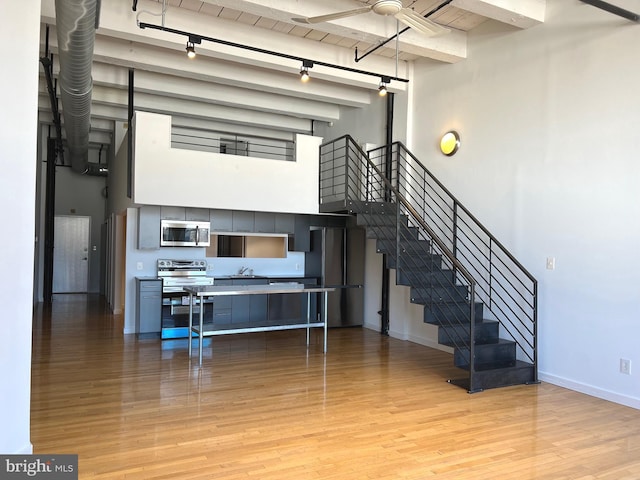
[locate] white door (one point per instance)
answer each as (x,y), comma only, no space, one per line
(71,254)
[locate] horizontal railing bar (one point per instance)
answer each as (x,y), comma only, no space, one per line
(482,227)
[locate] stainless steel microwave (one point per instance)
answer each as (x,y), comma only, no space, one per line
(181,233)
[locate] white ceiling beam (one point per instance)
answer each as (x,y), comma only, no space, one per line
(103,96)
(519,13)
(369,27)
(99,112)
(114,51)
(190,89)
(45,116)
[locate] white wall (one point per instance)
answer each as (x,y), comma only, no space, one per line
(166,176)
(18,140)
(549,119)
(365,125)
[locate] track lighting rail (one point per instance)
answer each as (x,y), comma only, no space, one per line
(194,39)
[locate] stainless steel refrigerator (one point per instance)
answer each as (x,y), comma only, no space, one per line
(337,257)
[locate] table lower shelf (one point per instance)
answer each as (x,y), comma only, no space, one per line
(209,330)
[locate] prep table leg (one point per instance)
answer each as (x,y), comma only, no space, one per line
(308,315)
(190,322)
(326,303)
(200,332)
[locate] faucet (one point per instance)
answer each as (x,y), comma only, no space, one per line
(242,270)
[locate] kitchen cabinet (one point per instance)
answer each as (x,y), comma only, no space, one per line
(172,213)
(221,220)
(265,222)
(242,221)
(249,308)
(148,227)
(285,223)
(301,241)
(222,306)
(197,214)
(148,305)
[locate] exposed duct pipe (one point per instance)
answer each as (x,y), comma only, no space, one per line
(76,23)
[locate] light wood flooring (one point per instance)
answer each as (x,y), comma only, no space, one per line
(263,406)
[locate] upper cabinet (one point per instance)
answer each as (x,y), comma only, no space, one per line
(221,220)
(172,213)
(229,221)
(148,227)
(265,222)
(243,221)
(197,214)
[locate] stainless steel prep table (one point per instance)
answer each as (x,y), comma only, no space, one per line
(215,291)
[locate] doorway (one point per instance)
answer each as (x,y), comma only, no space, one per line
(71,254)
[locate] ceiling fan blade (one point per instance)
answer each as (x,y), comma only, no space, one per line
(333,16)
(419,23)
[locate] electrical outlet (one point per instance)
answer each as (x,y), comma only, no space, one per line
(625,366)
(551,263)
(139,266)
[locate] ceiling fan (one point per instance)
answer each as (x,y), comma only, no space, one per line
(385,7)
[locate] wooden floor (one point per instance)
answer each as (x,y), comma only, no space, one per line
(264,407)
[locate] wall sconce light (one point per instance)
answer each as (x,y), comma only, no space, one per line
(382,89)
(304,70)
(449,143)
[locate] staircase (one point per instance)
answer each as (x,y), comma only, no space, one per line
(482,300)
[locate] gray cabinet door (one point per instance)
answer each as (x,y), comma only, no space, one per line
(243,221)
(302,234)
(222,305)
(265,222)
(249,308)
(198,214)
(148,227)
(173,213)
(285,223)
(148,305)
(221,220)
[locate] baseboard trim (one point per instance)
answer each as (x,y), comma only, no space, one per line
(427,342)
(608,395)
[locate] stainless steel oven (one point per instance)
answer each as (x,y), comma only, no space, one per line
(181,233)
(175,275)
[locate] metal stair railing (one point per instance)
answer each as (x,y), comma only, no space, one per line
(505,287)
(349,179)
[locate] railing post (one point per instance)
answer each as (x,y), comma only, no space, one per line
(472,336)
(490,274)
(535,332)
(454,240)
(347,156)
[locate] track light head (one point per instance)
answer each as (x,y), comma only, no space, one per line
(304,70)
(191,50)
(382,89)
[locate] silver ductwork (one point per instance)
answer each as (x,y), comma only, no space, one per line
(76,22)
